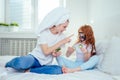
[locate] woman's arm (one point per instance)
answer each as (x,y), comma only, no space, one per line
(48,50)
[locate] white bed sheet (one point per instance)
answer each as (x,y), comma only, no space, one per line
(83,75)
(116,77)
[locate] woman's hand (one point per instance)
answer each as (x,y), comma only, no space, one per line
(55,54)
(67,39)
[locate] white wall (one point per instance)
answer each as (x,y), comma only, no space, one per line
(2,10)
(78,16)
(105,17)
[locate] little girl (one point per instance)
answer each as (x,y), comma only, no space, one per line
(86,57)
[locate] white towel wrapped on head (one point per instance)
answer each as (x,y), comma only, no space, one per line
(55,17)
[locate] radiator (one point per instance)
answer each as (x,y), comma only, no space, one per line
(16,46)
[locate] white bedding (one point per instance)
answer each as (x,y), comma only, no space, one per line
(83,75)
(116,77)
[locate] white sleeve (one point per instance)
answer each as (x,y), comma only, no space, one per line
(61,37)
(42,39)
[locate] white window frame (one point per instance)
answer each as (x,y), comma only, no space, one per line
(35,21)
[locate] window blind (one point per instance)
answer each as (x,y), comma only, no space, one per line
(29,13)
(20,11)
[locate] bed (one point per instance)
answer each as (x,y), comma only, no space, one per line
(85,75)
(6,74)
(108,67)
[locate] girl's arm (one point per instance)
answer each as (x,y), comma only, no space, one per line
(87,54)
(48,50)
(70,50)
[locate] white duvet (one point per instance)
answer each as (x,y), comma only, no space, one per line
(83,75)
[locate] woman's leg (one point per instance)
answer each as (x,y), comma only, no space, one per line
(21,63)
(47,69)
(90,63)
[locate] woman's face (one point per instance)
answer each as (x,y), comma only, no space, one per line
(62,27)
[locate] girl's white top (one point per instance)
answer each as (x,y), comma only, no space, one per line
(79,53)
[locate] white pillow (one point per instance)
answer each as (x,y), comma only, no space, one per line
(110,63)
(101,47)
(5,59)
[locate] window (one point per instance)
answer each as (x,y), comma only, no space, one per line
(28,13)
(21,12)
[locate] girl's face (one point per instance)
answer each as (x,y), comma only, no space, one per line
(62,27)
(82,36)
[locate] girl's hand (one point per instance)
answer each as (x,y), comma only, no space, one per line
(87,55)
(84,50)
(70,50)
(55,54)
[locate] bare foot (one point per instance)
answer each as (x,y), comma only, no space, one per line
(67,70)
(27,70)
(64,69)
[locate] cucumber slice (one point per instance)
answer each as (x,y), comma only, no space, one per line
(58,49)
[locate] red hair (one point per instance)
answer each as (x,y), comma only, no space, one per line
(90,39)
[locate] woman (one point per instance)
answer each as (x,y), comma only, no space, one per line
(49,37)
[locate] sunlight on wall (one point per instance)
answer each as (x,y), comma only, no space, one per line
(104,16)
(45,6)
